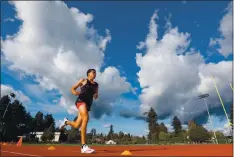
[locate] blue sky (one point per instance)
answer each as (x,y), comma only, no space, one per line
(128,23)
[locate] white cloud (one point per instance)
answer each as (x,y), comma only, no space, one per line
(169,127)
(7,89)
(9,20)
(185,126)
(218,125)
(57,45)
(172,76)
(58,123)
(50,108)
(107,125)
(225,41)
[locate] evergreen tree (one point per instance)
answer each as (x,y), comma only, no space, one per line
(39,121)
(152,121)
(176,125)
(111,132)
(163,128)
(16,121)
(49,121)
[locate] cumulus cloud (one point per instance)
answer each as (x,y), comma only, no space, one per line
(57,45)
(222,125)
(7,89)
(225,41)
(172,76)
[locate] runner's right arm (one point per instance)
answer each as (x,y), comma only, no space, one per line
(74,87)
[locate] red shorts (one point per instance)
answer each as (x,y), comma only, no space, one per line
(78,104)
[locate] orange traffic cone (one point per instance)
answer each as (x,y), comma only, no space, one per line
(126,152)
(19,143)
(51,148)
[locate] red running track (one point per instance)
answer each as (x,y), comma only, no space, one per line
(172,150)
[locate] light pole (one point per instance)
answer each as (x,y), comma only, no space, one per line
(2,127)
(204,98)
(13,96)
(145,114)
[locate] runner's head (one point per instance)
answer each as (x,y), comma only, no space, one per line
(91,73)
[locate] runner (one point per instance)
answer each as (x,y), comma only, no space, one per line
(89,90)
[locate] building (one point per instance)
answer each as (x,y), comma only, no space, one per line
(110,142)
(56,136)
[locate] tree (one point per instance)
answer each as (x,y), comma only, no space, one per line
(162,136)
(73,135)
(121,134)
(139,140)
(16,119)
(154,137)
(180,137)
(20,118)
(93,135)
(219,135)
(63,135)
(89,138)
(48,134)
(163,128)
(152,120)
(176,125)
(198,133)
(111,132)
(125,139)
(101,135)
(4,101)
(170,137)
(129,137)
(93,132)
(115,136)
(39,121)
(49,122)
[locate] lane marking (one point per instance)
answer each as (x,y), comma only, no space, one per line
(20,153)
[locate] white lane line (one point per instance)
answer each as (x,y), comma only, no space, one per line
(20,153)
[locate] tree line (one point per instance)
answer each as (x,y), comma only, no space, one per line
(158,133)
(15,121)
(18,122)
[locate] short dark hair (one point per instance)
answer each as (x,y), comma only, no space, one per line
(90,70)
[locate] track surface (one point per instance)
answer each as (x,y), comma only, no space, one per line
(174,150)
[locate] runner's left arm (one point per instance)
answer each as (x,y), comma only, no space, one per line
(96,94)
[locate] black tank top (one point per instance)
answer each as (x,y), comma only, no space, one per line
(87,91)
